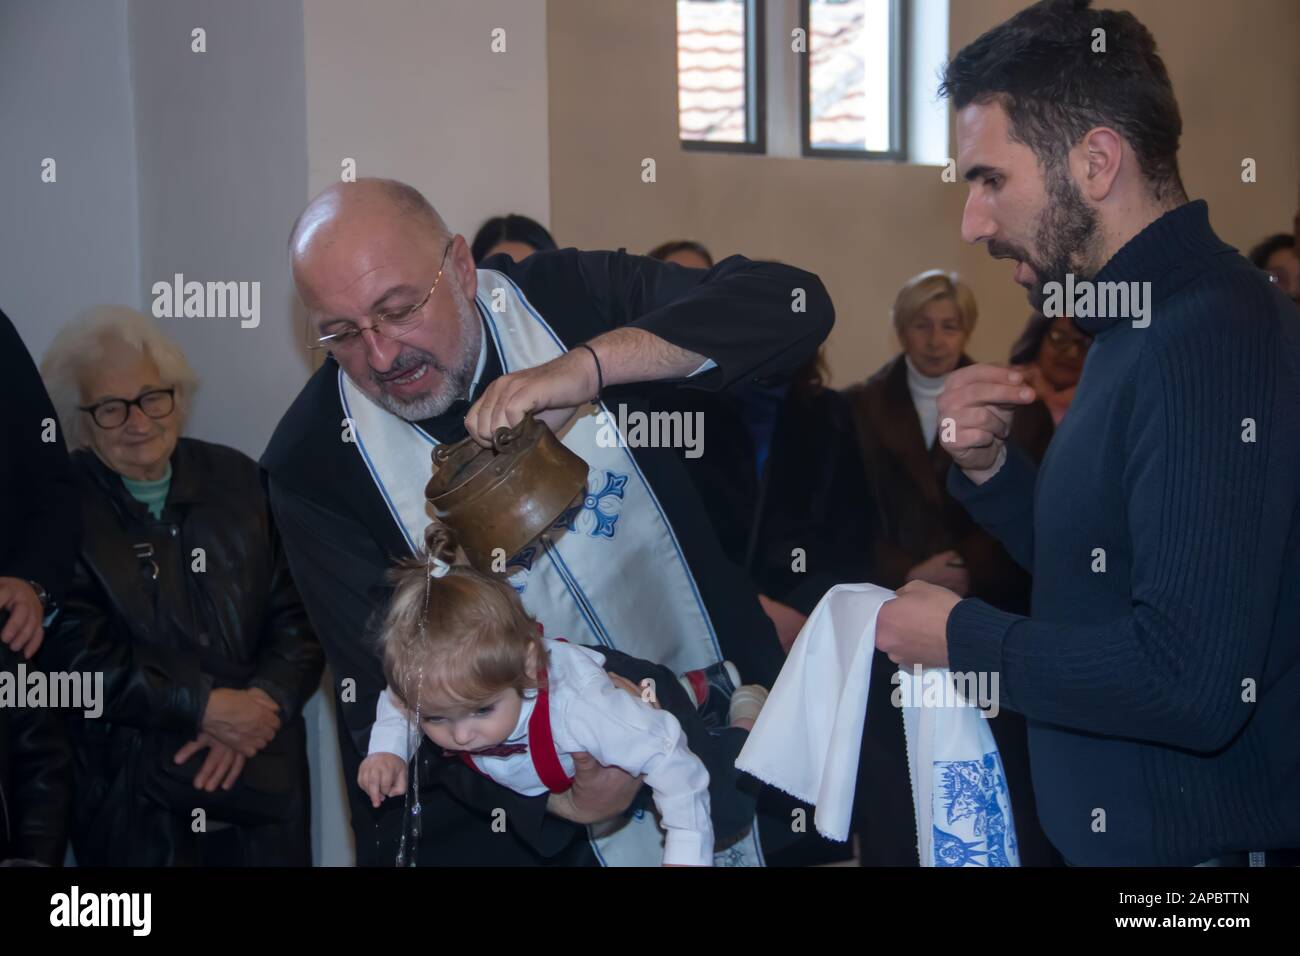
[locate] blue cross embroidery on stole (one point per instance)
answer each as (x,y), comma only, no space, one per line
(597,514)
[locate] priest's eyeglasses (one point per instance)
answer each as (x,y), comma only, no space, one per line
(113,412)
(391,325)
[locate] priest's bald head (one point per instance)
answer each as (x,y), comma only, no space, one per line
(365,256)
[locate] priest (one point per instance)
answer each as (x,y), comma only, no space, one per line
(425,348)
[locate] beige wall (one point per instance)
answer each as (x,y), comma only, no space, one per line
(412,89)
(866,227)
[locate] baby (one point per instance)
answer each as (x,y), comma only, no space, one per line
(461,652)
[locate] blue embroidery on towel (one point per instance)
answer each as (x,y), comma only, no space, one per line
(970,795)
(950,850)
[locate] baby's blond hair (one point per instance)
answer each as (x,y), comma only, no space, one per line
(463,635)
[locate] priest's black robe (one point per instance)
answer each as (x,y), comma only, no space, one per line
(752,319)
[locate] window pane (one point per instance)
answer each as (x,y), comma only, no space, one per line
(712,78)
(849,74)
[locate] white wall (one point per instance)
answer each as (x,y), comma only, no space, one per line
(221,141)
(65,93)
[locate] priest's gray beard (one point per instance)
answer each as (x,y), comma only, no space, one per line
(455,382)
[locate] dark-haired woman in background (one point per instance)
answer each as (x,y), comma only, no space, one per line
(1277,256)
(683,252)
(1050,353)
(514,235)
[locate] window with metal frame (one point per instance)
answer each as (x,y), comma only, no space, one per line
(853,91)
(721,95)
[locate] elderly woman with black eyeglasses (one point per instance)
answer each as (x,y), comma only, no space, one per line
(182,599)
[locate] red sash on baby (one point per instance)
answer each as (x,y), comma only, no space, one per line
(541,744)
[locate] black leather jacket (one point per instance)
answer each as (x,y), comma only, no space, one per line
(169,609)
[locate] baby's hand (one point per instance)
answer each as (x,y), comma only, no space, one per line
(382,775)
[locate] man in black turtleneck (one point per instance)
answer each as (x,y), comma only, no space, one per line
(391,292)
(1159,670)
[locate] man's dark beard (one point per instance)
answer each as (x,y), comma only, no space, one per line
(1066,238)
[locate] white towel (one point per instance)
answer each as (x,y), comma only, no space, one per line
(808,737)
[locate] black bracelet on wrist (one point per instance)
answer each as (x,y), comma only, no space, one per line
(600,376)
(41,594)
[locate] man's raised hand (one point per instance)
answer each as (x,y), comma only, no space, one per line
(975,411)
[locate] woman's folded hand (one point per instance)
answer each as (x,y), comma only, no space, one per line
(243,720)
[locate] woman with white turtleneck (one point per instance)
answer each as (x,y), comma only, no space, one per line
(925,396)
